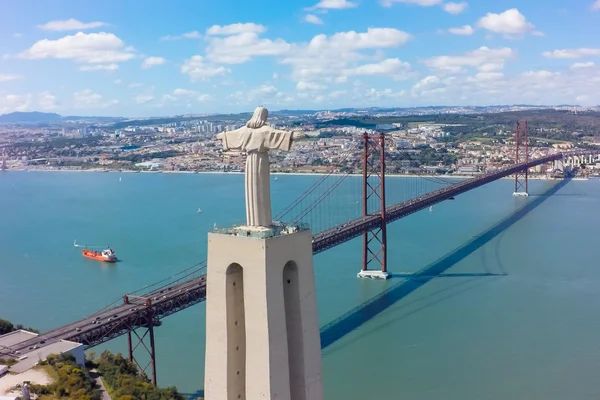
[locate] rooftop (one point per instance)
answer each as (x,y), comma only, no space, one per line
(29,360)
(16,337)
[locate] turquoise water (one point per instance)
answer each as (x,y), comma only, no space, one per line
(512,313)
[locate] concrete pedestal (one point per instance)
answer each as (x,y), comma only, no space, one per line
(262,330)
(524,194)
(374,274)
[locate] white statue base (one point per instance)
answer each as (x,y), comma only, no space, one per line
(374,274)
(262,328)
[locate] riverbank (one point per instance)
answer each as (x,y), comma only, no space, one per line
(439,176)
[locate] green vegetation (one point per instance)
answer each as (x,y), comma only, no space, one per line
(121,378)
(124,382)
(7,327)
(70,380)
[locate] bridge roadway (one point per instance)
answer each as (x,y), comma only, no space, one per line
(113,322)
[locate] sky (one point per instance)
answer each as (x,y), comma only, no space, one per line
(140,58)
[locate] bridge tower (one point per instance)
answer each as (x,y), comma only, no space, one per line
(521,156)
(375,240)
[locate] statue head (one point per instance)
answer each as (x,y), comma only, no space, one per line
(259,118)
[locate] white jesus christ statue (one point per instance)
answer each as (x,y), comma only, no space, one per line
(256,139)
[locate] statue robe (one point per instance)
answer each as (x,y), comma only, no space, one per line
(257,143)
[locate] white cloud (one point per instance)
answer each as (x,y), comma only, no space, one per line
(572,53)
(423,3)
(98,67)
(541,74)
(309,86)
(199,71)
(265,94)
(17,35)
(47,101)
(596,5)
(511,23)
(392,67)
(188,35)
(88,99)
(135,84)
(542,87)
(463,30)
(334,58)
(583,65)
(184,92)
(483,59)
(427,86)
(241,47)
(150,62)
(377,95)
(455,8)
(486,77)
(143,98)
(15,102)
(313,19)
(92,48)
(9,77)
(372,39)
(118,81)
(70,25)
(235,29)
(187,93)
(332,5)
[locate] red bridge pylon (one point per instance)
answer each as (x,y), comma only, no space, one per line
(375,240)
(147,320)
(521,155)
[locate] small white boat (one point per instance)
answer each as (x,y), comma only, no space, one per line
(199,210)
(430,208)
(275,178)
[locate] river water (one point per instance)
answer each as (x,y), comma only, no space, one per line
(504,306)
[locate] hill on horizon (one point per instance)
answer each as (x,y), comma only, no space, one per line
(28,117)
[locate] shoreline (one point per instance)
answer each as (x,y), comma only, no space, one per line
(450,176)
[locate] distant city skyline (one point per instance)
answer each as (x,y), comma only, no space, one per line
(130,59)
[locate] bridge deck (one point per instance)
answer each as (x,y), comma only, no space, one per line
(106,325)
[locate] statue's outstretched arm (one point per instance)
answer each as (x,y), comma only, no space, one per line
(230,139)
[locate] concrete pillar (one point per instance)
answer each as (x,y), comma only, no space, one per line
(262,329)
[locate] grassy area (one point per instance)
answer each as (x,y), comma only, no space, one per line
(48,370)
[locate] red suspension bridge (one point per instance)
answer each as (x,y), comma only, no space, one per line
(138,313)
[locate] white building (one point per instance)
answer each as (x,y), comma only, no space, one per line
(31,357)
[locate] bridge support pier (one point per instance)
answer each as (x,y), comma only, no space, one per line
(375,240)
(149,323)
(150,351)
(521,155)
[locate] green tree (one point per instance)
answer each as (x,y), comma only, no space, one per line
(6,327)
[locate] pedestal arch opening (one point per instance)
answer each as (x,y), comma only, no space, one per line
(294,325)
(236,332)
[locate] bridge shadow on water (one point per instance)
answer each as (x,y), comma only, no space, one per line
(355,318)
